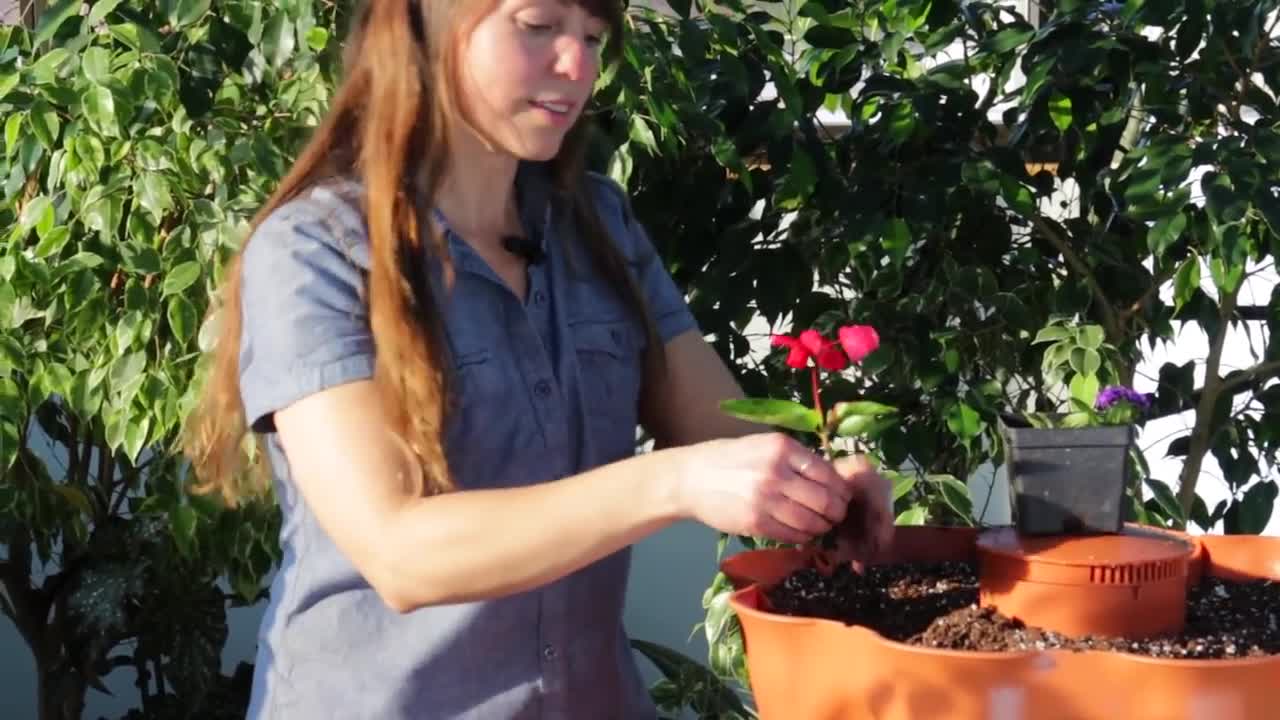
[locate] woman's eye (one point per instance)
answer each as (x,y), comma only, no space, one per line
(536,27)
(595,40)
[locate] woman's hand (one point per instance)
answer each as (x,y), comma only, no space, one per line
(765,485)
(867,528)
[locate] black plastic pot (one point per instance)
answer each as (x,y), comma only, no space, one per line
(1067,481)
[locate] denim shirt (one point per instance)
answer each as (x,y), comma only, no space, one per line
(547,387)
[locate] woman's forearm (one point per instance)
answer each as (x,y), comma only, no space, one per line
(471,545)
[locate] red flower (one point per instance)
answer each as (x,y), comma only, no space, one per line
(798,358)
(859,341)
(811,344)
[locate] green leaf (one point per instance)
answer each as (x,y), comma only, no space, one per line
(74,496)
(12,407)
(100,10)
(317,38)
(782,413)
(154,195)
(1186,282)
(126,370)
(1165,233)
(1085,361)
(8,81)
(52,18)
(1017,196)
(46,69)
(1227,275)
(913,516)
(1077,420)
(620,164)
(1060,110)
(903,484)
(964,421)
(135,436)
(641,133)
(181,277)
(1008,39)
(53,241)
(127,332)
(184,12)
(902,122)
(868,425)
(1085,388)
(8,443)
(12,130)
(1050,334)
(1251,514)
(1091,336)
(182,318)
(100,110)
(35,212)
(45,123)
(278,40)
(96,65)
(182,519)
(799,181)
(842,410)
(956,495)
(1167,500)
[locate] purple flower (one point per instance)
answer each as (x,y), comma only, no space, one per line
(1118,393)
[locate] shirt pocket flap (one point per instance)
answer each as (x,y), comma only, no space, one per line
(611,338)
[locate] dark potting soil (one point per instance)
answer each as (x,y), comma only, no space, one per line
(936,605)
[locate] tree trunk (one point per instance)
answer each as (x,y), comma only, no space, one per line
(61,691)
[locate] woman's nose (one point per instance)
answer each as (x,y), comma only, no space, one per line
(575,58)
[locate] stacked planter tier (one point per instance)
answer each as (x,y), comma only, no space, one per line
(817,669)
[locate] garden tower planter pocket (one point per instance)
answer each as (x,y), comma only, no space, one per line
(1131,585)
(1067,480)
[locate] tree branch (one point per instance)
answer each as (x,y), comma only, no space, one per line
(1202,432)
(1110,320)
(1257,374)
(1233,384)
(1141,303)
(6,604)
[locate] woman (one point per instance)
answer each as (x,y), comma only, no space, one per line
(444,334)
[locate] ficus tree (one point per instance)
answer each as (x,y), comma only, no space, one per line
(1022,209)
(1009,203)
(137,140)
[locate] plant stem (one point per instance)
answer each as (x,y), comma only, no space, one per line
(817,405)
(1202,432)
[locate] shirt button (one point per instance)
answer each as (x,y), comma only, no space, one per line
(549,652)
(542,389)
(539,297)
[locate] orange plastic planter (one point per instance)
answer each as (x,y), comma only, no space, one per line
(1130,585)
(812,669)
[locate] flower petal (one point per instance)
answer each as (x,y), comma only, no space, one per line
(799,356)
(813,341)
(832,358)
(859,341)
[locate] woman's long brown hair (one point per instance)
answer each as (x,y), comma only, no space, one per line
(387,128)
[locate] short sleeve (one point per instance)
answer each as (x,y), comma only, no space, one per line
(304,317)
(670,311)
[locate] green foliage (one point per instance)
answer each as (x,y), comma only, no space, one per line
(138,140)
(1122,149)
(1113,169)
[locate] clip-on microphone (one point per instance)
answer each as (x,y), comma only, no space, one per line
(525,247)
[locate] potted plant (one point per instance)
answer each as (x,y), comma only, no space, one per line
(1068,473)
(843,428)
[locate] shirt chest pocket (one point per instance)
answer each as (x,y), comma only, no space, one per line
(609,370)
